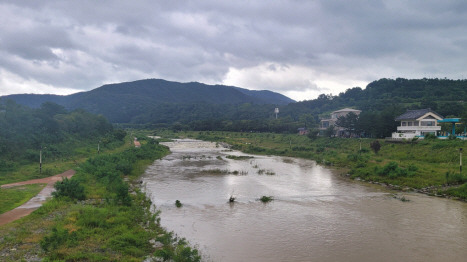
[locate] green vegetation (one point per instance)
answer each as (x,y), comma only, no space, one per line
(460,192)
(194,106)
(402,198)
(66,139)
(94,216)
(217,171)
(69,188)
(178,203)
(266,199)
(114,223)
(13,197)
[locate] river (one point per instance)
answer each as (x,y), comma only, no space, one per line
(316,215)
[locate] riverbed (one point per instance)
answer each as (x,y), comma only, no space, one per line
(316,215)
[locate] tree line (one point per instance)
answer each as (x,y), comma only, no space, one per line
(24,131)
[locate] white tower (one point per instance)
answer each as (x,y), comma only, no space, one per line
(276,111)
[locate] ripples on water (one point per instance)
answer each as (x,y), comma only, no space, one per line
(316,215)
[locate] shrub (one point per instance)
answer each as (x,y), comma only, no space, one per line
(392,170)
(313,134)
(58,237)
(122,194)
(266,199)
(454,178)
(430,136)
(364,150)
(69,188)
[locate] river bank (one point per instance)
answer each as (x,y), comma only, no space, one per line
(115,222)
(429,166)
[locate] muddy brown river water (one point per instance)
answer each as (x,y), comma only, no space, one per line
(315,216)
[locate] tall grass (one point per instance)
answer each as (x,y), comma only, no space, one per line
(114,223)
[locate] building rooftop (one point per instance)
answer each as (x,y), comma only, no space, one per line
(414,114)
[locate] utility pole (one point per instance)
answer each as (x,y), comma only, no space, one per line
(460,161)
(40,160)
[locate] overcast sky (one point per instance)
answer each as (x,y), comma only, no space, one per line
(298,48)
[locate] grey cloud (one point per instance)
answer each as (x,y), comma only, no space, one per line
(203,40)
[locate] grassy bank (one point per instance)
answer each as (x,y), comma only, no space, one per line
(419,165)
(113,222)
(54,162)
(13,197)
(56,159)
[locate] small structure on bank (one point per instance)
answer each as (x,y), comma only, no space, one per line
(453,122)
(417,123)
(302,131)
(325,123)
(136,143)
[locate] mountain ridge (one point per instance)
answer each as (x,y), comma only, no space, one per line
(119,102)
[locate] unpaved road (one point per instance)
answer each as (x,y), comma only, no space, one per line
(35,202)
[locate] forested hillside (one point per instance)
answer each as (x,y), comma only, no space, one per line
(381,101)
(195,106)
(24,131)
(442,95)
(133,102)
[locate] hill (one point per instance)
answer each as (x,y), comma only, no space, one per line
(442,95)
(123,102)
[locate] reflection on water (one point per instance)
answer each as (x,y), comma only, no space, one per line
(316,215)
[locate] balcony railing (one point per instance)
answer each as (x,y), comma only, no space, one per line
(421,128)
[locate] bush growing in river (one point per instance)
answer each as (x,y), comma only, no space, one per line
(266,199)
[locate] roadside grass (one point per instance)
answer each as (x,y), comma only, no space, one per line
(418,165)
(52,165)
(114,223)
(13,197)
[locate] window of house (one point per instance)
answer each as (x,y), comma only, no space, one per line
(428,123)
(409,123)
(404,123)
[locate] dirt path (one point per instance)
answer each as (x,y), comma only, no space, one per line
(35,202)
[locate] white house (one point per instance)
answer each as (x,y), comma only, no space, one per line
(325,123)
(417,123)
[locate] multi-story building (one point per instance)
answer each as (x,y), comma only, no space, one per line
(325,123)
(417,123)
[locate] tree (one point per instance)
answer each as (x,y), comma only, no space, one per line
(329,132)
(375,146)
(308,120)
(312,133)
(349,122)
